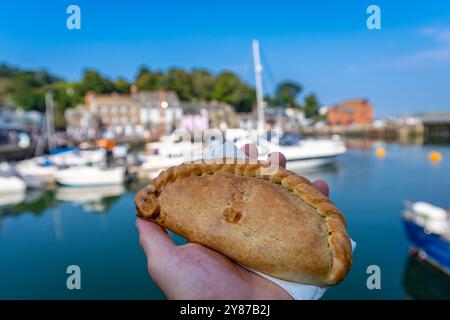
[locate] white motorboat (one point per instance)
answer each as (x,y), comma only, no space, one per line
(311,153)
(159,162)
(299,153)
(169,152)
(11,185)
(89,176)
(75,157)
(34,168)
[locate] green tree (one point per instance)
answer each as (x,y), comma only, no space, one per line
(8,71)
(311,106)
(65,95)
(25,93)
(122,86)
(225,87)
(94,81)
(202,84)
(246,98)
(24,87)
(229,88)
(148,80)
(286,94)
(179,81)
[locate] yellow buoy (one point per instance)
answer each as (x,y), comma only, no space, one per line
(435,156)
(380,152)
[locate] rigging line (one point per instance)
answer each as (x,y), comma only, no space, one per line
(271,79)
(249,76)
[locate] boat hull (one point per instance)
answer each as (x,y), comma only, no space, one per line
(84,177)
(11,185)
(294,164)
(436,248)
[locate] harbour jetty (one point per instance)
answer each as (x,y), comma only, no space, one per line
(388,131)
(432,127)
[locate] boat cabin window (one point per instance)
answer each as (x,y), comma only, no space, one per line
(290,139)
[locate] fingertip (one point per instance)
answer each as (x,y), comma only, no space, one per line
(322,186)
(141,224)
(152,235)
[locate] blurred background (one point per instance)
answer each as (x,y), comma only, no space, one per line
(96,98)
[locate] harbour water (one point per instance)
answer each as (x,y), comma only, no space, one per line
(44,233)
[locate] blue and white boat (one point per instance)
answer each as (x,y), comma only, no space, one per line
(428,229)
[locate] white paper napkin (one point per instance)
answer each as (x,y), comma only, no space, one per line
(298,291)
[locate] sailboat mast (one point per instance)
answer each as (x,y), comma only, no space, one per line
(258,84)
(49,120)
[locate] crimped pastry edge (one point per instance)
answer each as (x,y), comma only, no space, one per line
(148,207)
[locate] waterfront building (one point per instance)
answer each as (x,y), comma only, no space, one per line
(148,114)
(437,126)
(80,124)
(218,115)
(349,112)
(159,111)
(118,115)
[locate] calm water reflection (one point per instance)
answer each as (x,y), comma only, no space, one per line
(43,232)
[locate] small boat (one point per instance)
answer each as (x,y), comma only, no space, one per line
(12,188)
(428,229)
(38,167)
(89,176)
(77,157)
(11,185)
(159,162)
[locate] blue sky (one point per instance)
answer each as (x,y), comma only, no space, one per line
(325,45)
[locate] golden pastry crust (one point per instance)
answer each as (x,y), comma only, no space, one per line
(273,221)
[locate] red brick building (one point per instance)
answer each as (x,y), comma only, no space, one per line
(356,111)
